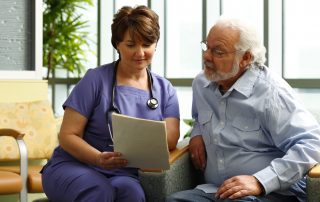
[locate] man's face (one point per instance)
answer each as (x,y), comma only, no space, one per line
(220,60)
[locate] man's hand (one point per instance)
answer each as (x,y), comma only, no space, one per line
(239,186)
(198,152)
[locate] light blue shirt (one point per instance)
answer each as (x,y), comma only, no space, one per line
(258,127)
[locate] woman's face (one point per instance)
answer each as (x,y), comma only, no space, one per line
(135,53)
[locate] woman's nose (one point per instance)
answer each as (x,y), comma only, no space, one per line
(140,50)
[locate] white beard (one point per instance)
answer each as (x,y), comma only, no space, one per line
(213,75)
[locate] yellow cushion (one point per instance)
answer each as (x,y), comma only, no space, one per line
(34,119)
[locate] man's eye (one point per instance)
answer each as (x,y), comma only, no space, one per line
(130,45)
(217,52)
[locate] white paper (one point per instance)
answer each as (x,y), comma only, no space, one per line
(208,188)
(142,142)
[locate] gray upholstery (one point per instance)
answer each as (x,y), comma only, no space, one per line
(181,176)
(313,184)
(313,189)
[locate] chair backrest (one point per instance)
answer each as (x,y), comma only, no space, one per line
(24,106)
(36,120)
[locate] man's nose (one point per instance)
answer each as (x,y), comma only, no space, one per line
(207,55)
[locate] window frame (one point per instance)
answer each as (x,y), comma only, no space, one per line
(36,46)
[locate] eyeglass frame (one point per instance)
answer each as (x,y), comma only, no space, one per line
(215,52)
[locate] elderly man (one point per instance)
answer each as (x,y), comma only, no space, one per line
(252,138)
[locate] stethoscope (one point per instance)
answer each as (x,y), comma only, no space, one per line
(152,102)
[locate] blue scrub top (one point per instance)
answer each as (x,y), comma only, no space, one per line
(91,97)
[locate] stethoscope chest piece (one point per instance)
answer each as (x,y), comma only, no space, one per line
(152,103)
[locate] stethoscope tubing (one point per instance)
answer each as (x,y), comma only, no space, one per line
(152,102)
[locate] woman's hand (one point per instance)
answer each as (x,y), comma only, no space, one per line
(110,160)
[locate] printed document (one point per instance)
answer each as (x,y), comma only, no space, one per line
(142,142)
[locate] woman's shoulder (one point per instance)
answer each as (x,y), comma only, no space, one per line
(100,73)
(103,69)
(160,79)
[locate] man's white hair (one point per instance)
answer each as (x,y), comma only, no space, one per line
(249,38)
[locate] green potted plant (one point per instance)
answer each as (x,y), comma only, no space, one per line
(65,43)
(189,122)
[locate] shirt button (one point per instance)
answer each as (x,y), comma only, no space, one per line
(221,123)
(246,127)
(215,140)
(221,103)
(221,161)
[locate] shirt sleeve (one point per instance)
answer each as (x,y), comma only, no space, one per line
(296,133)
(172,104)
(196,128)
(85,94)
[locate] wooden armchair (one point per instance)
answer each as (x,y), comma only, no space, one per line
(24,108)
(36,120)
(313,177)
(313,184)
(11,182)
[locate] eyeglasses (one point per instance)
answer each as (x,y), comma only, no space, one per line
(215,52)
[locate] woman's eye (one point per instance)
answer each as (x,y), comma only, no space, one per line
(130,45)
(147,45)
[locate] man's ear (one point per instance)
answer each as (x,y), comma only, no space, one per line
(246,59)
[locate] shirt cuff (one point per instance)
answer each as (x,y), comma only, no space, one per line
(196,130)
(268,179)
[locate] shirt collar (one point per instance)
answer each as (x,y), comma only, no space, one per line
(245,83)
(206,82)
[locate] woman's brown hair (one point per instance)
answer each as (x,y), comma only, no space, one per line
(141,22)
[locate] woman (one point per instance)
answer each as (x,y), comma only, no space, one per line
(84,166)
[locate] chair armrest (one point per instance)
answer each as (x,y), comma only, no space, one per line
(11,132)
(181,149)
(313,184)
(315,171)
(23,156)
(181,175)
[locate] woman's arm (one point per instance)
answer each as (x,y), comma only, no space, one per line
(173,132)
(71,140)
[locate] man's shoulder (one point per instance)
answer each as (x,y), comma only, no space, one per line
(271,79)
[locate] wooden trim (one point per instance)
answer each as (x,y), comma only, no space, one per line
(11,132)
(177,153)
(315,171)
